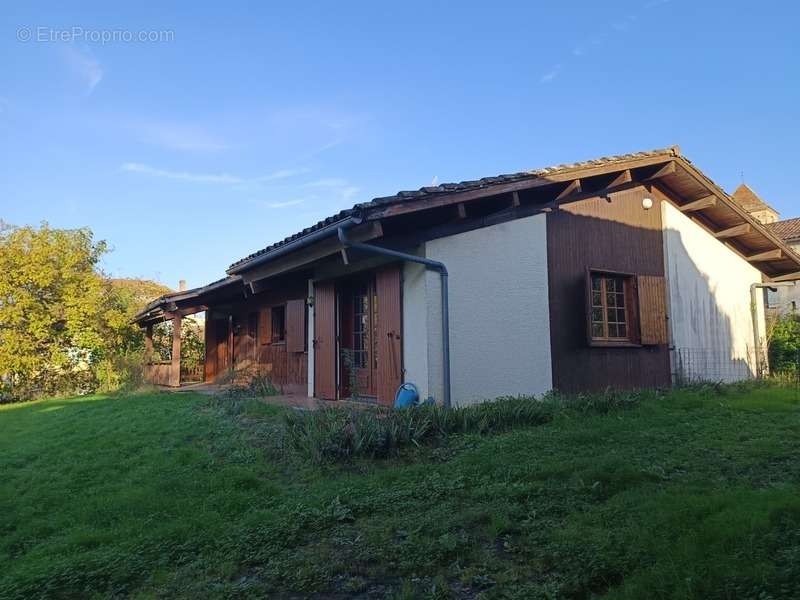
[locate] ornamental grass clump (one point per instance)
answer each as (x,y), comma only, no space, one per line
(334,434)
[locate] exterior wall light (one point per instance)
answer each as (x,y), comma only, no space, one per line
(647,203)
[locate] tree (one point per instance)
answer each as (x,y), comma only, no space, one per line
(59,315)
(784,344)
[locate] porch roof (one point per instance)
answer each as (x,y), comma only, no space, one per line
(190,301)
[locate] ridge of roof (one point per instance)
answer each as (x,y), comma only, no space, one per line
(449,188)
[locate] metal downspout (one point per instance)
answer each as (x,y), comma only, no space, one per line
(434,265)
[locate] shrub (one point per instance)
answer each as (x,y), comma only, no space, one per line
(784,345)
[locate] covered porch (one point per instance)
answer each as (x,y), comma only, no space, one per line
(173,309)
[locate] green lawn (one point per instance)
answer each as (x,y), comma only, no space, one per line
(693,495)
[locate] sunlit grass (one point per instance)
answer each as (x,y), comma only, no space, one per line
(692,495)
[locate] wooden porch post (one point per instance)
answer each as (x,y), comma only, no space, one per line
(175,370)
(148,343)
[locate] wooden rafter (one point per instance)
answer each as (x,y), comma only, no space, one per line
(573,188)
(735,231)
(621,178)
(506,188)
(667,169)
(768,255)
(701,204)
(787,277)
(462,210)
(514,199)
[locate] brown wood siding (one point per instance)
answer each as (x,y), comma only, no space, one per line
(325,340)
(389,329)
(253,351)
(296,326)
(617,235)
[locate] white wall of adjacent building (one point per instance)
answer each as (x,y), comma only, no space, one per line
(499,313)
(709,303)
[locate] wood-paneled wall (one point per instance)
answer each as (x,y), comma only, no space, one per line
(254,352)
(614,234)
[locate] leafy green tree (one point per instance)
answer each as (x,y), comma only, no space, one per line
(784,344)
(59,315)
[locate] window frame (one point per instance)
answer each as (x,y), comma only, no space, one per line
(277,334)
(631,308)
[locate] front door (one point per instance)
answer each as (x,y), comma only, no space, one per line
(221,338)
(358,342)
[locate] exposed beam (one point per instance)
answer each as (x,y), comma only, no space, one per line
(667,169)
(514,199)
(573,188)
(787,277)
(620,178)
(768,255)
(734,231)
(701,204)
(462,210)
(439,200)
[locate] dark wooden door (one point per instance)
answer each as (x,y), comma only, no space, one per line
(222,341)
(325,341)
(357,332)
(388,311)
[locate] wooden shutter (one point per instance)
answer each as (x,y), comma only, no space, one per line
(295,326)
(652,309)
(325,341)
(265,326)
(389,329)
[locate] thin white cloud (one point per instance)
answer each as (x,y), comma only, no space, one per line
(180,175)
(550,75)
(328,182)
(180,137)
(85,66)
(337,186)
(282,174)
(286,203)
(213,178)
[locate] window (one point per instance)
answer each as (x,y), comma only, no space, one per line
(278,324)
(360,327)
(610,314)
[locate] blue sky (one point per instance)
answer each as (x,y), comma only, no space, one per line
(248,122)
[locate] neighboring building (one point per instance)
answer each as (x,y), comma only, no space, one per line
(750,201)
(779,300)
(785,299)
(626,271)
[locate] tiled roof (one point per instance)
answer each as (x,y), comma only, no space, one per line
(449,188)
(749,200)
(787,230)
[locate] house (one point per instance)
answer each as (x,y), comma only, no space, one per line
(626,271)
(784,299)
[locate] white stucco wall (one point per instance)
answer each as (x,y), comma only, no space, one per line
(499,314)
(415,325)
(709,303)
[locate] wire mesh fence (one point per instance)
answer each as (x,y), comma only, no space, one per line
(693,365)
